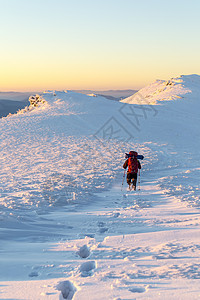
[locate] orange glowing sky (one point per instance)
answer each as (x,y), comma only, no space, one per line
(107,44)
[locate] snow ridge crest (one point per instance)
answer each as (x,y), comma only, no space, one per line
(166,90)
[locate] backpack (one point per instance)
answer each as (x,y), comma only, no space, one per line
(132,165)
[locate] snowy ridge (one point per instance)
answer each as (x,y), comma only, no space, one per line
(162,90)
(49,155)
(67,230)
(47,144)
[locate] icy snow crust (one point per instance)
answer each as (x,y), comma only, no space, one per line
(162,90)
(50,156)
(67,230)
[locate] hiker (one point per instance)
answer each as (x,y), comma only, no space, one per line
(133,165)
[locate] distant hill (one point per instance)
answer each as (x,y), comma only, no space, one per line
(110,94)
(11,106)
(16,96)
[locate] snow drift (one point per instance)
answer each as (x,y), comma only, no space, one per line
(62,214)
(161,90)
(65,146)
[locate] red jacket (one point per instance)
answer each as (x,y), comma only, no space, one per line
(128,164)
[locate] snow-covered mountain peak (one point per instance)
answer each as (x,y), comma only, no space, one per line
(162,90)
(64,102)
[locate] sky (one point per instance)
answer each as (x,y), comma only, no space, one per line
(96,44)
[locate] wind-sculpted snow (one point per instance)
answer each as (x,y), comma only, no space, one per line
(58,150)
(50,158)
(178,122)
(185,186)
(47,173)
(161,90)
(68,230)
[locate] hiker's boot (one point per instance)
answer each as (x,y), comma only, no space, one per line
(134,184)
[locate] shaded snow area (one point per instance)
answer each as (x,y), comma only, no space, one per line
(68,231)
(11,102)
(9,107)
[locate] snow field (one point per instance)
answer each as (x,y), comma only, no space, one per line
(156,254)
(67,230)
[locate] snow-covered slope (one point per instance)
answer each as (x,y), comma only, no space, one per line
(161,90)
(51,143)
(176,104)
(61,173)
(67,136)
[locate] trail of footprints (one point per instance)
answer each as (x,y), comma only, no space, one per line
(94,251)
(87,269)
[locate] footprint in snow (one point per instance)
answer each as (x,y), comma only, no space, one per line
(102,227)
(83,235)
(164,256)
(116,215)
(33,274)
(136,289)
(101,224)
(87,268)
(84,251)
(67,290)
(103,230)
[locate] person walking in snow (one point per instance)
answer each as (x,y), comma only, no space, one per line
(133,165)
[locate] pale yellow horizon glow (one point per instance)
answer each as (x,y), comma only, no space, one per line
(76,77)
(97,45)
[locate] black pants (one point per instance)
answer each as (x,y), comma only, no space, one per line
(131,178)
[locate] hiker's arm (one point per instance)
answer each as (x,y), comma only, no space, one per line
(125,165)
